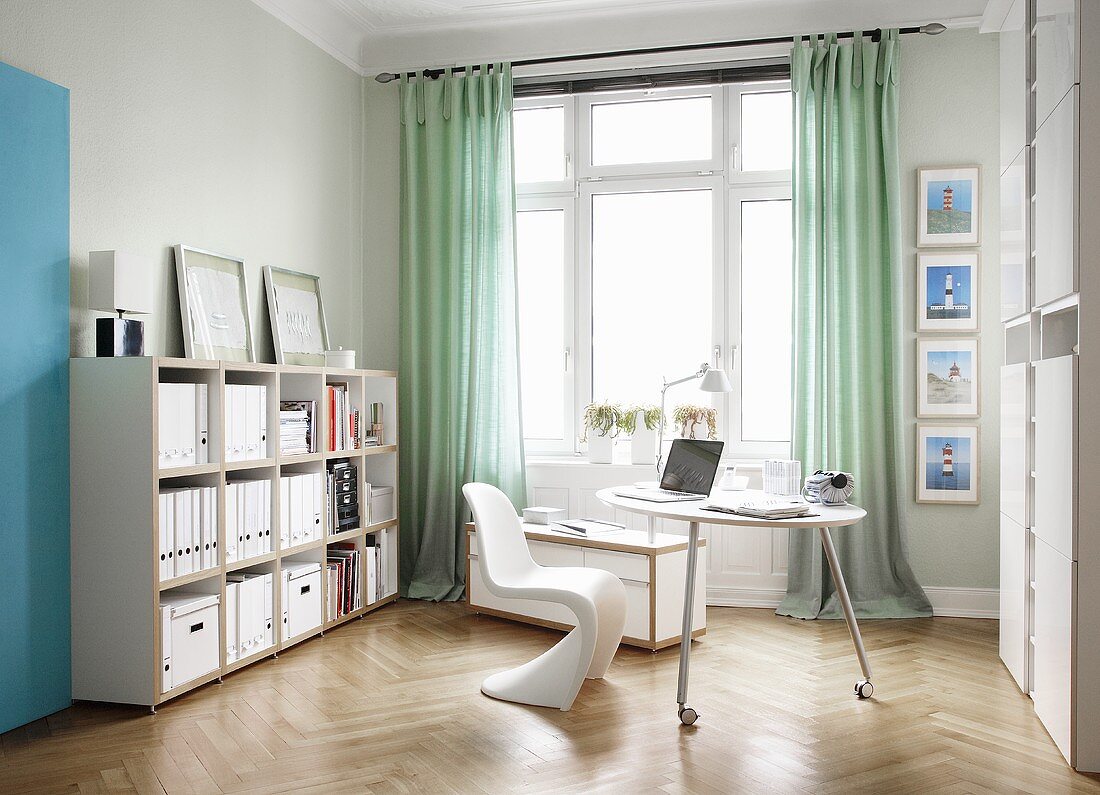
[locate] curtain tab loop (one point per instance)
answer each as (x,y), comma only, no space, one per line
(448,90)
(421,79)
(857,58)
(486,89)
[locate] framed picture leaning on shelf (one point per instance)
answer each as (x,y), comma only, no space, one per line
(214,306)
(947,463)
(949,206)
(298,327)
(947,377)
(947,291)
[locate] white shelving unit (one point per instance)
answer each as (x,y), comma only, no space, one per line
(115,482)
(1050,451)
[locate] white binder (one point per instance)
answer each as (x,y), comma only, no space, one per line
(240,413)
(227,430)
(250,546)
(206,548)
(262,389)
(315,482)
(165,648)
(265,512)
(252,423)
(372,578)
(182,503)
(232,643)
(186,425)
(284,512)
(212,519)
(195,496)
(269,610)
(167,423)
(245,636)
(202,424)
(297,523)
(231,548)
(166,538)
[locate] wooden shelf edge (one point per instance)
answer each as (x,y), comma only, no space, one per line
(301,458)
(176,363)
(385,600)
(347,535)
(187,579)
(258,463)
(255,656)
(312,633)
(249,367)
(255,560)
(376,526)
(379,449)
(183,472)
(306,547)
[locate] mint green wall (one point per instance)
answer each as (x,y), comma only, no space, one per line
(34,398)
(950,116)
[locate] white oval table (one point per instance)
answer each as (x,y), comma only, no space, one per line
(692,512)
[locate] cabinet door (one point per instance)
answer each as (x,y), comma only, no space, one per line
(1054,578)
(1055,220)
(1014,246)
(1015,424)
(1014,597)
(1055,53)
(1014,83)
(1055,442)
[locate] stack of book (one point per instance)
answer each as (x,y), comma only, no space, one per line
(377,567)
(342,570)
(344,422)
(297,431)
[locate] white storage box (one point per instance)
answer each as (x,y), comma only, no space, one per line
(189,637)
(301,598)
(382,508)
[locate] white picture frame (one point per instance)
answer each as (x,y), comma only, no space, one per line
(299,330)
(948,466)
(949,206)
(948,291)
(948,377)
(214,307)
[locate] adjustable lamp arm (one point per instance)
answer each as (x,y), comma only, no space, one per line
(665,384)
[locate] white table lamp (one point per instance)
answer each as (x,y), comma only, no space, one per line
(119,282)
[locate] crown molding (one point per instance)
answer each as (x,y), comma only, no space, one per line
(324,25)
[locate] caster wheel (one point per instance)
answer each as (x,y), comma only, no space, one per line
(688,716)
(864,689)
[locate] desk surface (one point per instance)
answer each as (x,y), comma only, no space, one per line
(827,516)
(625,540)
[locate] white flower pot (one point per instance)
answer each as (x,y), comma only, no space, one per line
(599,448)
(693,429)
(643,444)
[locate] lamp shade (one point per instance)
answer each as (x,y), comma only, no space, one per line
(715,381)
(119,282)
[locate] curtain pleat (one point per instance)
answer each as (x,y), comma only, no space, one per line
(847,320)
(460,401)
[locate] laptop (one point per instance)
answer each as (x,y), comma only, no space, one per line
(689,473)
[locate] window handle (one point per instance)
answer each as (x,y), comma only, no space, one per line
(568,167)
(567,353)
(717,357)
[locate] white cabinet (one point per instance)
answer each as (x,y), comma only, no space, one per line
(1015,427)
(1055,444)
(1014,238)
(653,575)
(1055,221)
(1013,56)
(1014,597)
(1054,579)
(1055,54)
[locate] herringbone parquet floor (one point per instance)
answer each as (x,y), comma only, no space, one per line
(391,704)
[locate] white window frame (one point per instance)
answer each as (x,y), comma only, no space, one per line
(585,168)
(713,183)
(731,187)
(566,204)
(568,103)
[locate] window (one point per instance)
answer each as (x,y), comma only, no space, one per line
(665,243)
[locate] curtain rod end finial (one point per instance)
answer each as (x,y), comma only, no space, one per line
(385,77)
(933,28)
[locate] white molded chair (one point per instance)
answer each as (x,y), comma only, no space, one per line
(596,597)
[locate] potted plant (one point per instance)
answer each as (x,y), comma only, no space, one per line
(640,423)
(601,426)
(696,422)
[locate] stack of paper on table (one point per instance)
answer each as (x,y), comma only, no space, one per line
(763,508)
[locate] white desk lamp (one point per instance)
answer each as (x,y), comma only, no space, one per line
(119,282)
(714,380)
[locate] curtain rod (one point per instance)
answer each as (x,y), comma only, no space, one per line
(932,29)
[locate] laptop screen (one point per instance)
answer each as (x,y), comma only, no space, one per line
(692,465)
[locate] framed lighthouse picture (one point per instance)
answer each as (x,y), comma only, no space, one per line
(947,377)
(947,290)
(947,464)
(949,206)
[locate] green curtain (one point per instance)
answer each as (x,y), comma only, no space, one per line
(459,402)
(847,321)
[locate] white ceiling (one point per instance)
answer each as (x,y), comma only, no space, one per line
(388,35)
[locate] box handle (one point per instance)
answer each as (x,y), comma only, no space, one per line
(197,627)
(305,590)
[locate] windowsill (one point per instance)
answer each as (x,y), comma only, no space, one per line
(623,462)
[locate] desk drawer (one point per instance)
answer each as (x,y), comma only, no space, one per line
(545,553)
(637,611)
(624,565)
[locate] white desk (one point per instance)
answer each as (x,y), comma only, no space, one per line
(692,513)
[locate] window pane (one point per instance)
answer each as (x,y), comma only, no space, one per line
(651,131)
(539,135)
(651,292)
(766,131)
(766,298)
(540,251)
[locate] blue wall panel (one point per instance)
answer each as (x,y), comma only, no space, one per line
(34,398)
